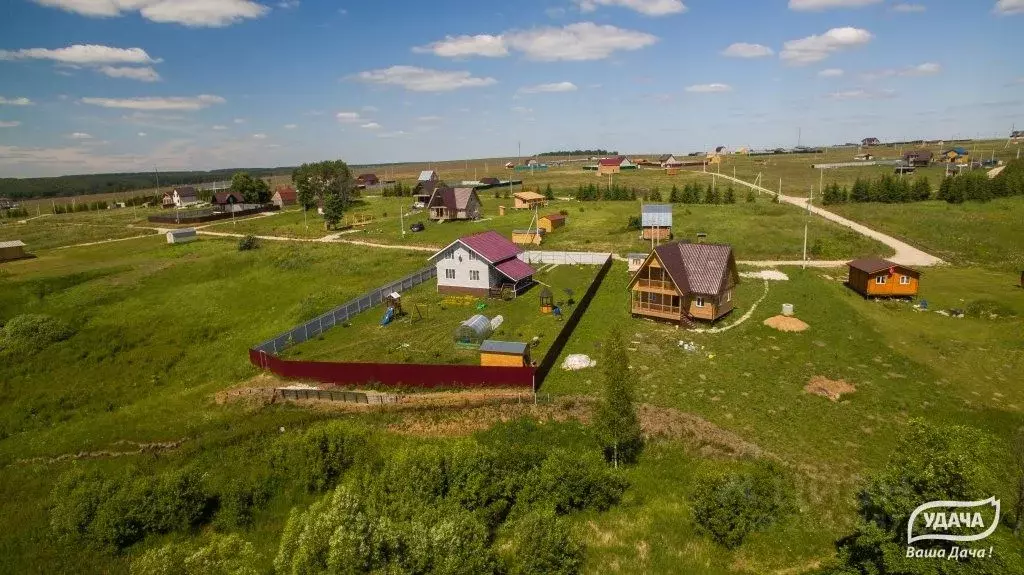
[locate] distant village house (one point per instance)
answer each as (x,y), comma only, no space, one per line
(656,221)
(285,196)
(918,158)
(454,204)
(875,277)
(184,196)
(870,142)
(528,200)
(12,250)
(367,180)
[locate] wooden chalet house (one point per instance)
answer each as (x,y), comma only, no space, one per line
(875,277)
(681,281)
(528,200)
(454,204)
(486,264)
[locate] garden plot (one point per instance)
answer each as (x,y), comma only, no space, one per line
(425,334)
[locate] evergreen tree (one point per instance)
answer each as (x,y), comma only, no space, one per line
(944,189)
(922,189)
(673,196)
(616,423)
(549,194)
(751,195)
(730,195)
(655,195)
(861,191)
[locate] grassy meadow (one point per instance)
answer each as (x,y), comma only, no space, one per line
(159,330)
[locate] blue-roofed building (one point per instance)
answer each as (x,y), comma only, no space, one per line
(656,220)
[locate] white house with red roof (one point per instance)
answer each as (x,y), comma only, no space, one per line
(486,264)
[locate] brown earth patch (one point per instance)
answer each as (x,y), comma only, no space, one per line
(830,388)
(140,448)
(786,323)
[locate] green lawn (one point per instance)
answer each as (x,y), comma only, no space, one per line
(410,339)
(758,230)
(68,229)
(971,234)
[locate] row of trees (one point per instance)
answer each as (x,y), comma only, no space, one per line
(976,186)
(886,189)
(971,186)
(66,186)
(614,192)
(579,153)
(694,193)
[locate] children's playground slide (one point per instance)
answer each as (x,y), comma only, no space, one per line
(388,316)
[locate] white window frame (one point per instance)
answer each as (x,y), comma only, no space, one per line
(699,302)
(904,280)
(474,275)
(472,256)
(881,280)
(449,273)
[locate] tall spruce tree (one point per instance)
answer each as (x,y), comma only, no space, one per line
(616,424)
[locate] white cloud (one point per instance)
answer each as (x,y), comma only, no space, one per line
(645,7)
(371,126)
(239,120)
(830,73)
(9,124)
(172,103)
(1009,7)
(547,88)
(290,126)
(580,41)
(862,95)
(417,79)
(80,136)
(575,42)
(349,117)
(219,128)
(908,8)
(142,134)
(462,46)
(16,102)
(194,13)
(259,136)
(744,50)
(819,47)
(288,4)
(709,88)
(82,54)
(811,5)
(144,74)
(429,119)
(522,110)
(926,69)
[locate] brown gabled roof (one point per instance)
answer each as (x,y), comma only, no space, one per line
(610,161)
(875,265)
(554,217)
(696,268)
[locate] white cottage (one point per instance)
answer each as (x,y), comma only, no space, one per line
(484,264)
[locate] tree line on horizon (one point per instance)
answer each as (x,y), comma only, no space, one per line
(88,184)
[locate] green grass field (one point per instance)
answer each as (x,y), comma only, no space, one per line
(159,330)
(989,234)
(410,339)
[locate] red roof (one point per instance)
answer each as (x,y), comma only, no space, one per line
(609,161)
(515,269)
(492,246)
(288,194)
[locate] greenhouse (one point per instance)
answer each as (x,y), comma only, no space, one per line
(473,331)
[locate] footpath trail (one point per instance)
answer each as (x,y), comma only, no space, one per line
(906,254)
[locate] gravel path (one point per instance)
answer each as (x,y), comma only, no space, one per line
(906,254)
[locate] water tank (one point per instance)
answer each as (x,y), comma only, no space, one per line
(787,309)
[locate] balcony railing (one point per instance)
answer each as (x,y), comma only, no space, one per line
(658,284)
(640,307)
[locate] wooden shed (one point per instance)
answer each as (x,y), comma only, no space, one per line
(875,277)
(551,222)
(527,200)
(12,250)
(182,236)
(523,237)
(495,353)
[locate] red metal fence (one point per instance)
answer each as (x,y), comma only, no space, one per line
(397,375)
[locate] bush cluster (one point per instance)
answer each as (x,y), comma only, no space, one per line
(730,507)
(248,243)
(694,193)
(29,333)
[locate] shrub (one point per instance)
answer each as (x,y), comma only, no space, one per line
(30,333)
(634,223)
(985,308)
(224,555)
(730,507)
(543,544)
(317,457)
(239,499)
(248,243)
(568,482)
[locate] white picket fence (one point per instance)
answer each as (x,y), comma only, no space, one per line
(565,258)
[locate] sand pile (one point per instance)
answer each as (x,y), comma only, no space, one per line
(830,388)
(783,323)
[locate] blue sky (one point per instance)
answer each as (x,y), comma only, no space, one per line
(133,85)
